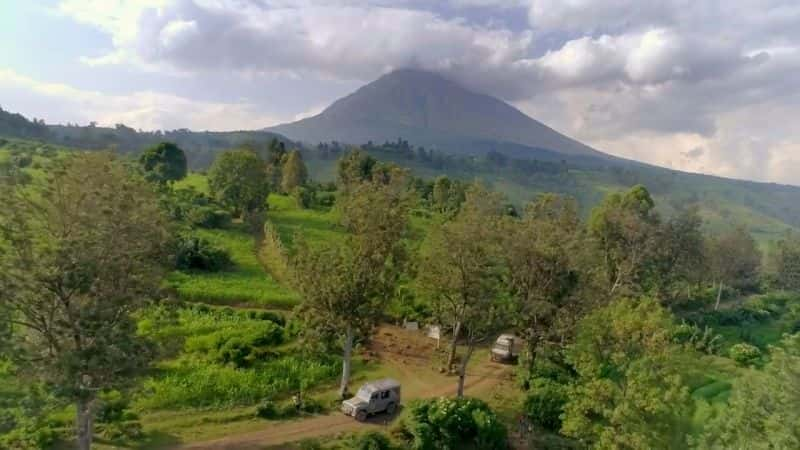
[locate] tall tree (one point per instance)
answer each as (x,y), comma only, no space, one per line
(543,277)
(734,259)
(294,172)
(238,180)
(75,262)
(461,270)
(784,262)
(676,254)
(354,168)
(628,393)
(762,412)
(622,228)
(345,286)
(163,163)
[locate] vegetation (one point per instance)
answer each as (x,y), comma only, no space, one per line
(75,262)
(163,163)
(644,327)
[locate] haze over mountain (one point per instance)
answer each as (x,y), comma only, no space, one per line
(434,112)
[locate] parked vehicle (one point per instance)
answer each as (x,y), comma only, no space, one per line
(504,349)
(373,398)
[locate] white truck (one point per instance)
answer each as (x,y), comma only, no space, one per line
(375,397)
(505,349)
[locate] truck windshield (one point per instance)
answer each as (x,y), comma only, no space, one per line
(364,394)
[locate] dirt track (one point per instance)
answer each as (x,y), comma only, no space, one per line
(408,363)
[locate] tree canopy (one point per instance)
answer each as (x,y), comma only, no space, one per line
(163,163)
(74,263)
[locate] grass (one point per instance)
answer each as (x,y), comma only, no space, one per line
(194,180)
(245,284)
(314,225)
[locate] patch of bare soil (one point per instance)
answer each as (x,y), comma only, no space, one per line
(412,359)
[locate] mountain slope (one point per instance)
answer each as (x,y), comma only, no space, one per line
(431,111)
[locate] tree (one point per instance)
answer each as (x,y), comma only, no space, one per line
(542,275)
(784,262)
(676,253)
(460,270)
(294,172)
(75,262)
(733,258)
(353,168)
(628,393)
(238,180)
(163,163)
(762,411)
(345,286)
(275,157)
(622,228)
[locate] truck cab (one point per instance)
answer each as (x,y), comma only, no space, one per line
(373,398)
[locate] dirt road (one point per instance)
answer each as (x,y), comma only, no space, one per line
(408,363)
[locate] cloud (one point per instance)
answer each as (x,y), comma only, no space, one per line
(145,109)
(635,78)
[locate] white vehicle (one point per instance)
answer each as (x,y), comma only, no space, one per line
(504,349)
(375,397)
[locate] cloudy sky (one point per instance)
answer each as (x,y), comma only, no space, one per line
(710,85)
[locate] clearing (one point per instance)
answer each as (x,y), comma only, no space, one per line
(407,356)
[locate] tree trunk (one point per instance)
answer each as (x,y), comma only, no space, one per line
(84,423)
(719,296)
(462,371)
(453,344)
(346,359)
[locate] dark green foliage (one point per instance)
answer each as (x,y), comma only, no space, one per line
(194,253)
(209,217)
(163,163)
(303,196)
(241,346)
(195,209)
(272,410)
(115,419)
(371,440)
(450,424)
(545,403)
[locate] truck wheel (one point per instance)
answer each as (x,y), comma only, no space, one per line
(361,416)
(391,408)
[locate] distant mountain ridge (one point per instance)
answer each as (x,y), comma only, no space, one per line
(432,111)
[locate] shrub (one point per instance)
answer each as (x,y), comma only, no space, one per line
(371,440)
(325,198)
(267,409)
(445,424)
(194,253)
(240,346)
(545,403)
(209,217)
(303,197)
(745,354)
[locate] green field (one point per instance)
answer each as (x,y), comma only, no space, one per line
(244,284)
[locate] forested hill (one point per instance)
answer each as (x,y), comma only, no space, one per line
(767,210)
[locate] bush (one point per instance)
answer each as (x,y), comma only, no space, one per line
(240,346)
(545,403)
(303,197)
(371,440)
(194,253)
(209,217)
(325,199)
(745,354)
(267,409)
(445,424)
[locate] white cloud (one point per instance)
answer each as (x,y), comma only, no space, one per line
(145,109)
(646,79)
